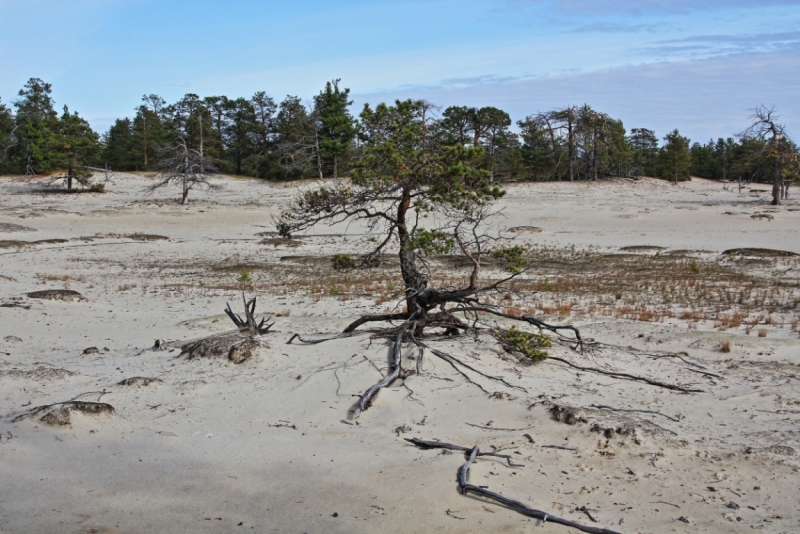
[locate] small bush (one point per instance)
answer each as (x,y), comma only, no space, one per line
(342,262)
(528,344)
(245,280)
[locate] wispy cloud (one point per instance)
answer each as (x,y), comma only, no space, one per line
(703,98)
(722,44)
(646,7)
(613,27)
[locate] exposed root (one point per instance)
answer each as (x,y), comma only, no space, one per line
(58,414)
(248,324)
(626,376)
(422,444)
(395,369)
(466,488)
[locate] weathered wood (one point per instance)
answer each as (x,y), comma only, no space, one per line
(517,506)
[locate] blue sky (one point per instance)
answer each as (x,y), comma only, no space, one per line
(693,65)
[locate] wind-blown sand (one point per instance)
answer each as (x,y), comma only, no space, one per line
(267,445)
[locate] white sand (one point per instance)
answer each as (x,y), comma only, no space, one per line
(262,446)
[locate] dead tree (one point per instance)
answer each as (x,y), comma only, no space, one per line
(402,175)
(777,148)
(185,166)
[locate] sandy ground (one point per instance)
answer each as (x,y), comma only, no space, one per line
(266,446)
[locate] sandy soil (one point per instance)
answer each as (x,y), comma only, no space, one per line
(267,446)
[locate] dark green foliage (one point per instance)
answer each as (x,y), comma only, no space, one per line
(527,345)
(118,141)
(342,262)
(675,158)
(37,129)
(7,139)
(36,140)
(511,259)
(336,126)
(644,147)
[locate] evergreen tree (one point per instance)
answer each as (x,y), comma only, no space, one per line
(37,129)
(149,131)
(217,107)
(239,135)
(264,127)
(675,158)
(297,140)
(644,145)
(78,146)
(7,137)
(337,126)
(118,151)
(541,148)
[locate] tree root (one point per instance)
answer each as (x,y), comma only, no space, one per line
(323,340)
(422,444)
(396,367)
(374,318)
(452,360)
(602,407)
(248,324)
(517,506)
(626,376)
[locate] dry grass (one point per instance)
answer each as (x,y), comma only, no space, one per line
(722,292)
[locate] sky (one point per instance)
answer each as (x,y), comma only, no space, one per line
(696,65)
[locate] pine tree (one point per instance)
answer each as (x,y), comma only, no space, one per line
(37,129)
(337,127)
(675,158)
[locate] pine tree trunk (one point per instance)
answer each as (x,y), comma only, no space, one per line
(185,179)
(412,278)
(202,161)
(144,120)
(335,165)
(570,149)
(69,178)
(776,185)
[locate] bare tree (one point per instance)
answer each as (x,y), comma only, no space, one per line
(777,148)
(184,166)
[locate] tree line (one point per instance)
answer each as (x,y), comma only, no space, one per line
(260,137)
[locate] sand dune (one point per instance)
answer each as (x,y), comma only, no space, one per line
(270,444)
